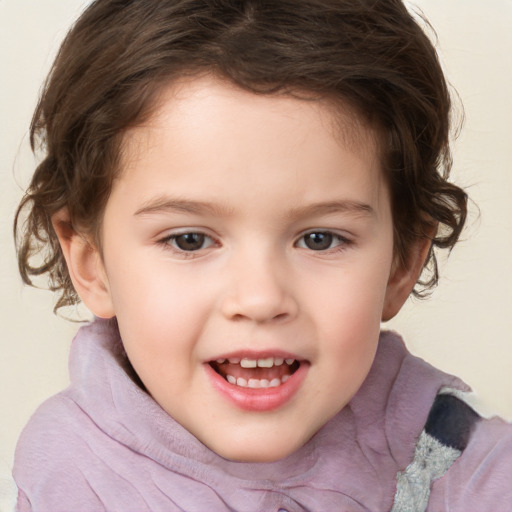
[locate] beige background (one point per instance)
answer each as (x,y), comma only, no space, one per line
(465,328)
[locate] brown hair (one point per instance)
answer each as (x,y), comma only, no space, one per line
(370,54)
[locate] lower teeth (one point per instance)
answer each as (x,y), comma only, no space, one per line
(256,383)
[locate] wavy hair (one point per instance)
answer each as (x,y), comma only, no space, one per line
(369,54)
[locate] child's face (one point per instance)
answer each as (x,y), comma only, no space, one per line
(248,227)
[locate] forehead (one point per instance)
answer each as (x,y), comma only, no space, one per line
(206,97)
(209,140)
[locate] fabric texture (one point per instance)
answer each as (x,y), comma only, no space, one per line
(446,434)
(104,445)
(431,461)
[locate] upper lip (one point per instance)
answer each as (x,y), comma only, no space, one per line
(256,354)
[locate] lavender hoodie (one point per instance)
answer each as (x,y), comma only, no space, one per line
(104,445)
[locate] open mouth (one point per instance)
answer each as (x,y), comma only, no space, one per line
(269,372)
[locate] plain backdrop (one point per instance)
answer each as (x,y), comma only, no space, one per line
(464,328)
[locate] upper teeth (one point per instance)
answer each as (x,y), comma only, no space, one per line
(267,362)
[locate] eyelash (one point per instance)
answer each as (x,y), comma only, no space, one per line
(170,242)
(341,245)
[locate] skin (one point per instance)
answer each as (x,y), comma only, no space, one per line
(256,175)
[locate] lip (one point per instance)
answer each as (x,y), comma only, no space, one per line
(262,399)
(252,354)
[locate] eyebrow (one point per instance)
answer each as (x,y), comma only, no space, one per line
(170,205)
(331,207)
(161,205)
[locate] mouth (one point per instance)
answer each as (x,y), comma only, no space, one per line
(260,382)
(260,373)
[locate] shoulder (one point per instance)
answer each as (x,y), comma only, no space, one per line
(65,461)
(57,423)
(482,475)
(50,455)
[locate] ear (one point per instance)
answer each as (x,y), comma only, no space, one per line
(85,266)
(403,277)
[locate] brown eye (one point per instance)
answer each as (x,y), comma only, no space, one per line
(318,241)
(189,241)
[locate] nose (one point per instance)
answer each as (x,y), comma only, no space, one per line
(259,290)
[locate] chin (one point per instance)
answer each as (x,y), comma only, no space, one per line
(257,452)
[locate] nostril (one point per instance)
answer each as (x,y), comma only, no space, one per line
(238,317)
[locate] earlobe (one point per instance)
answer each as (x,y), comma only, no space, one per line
(403,277)
(85,266)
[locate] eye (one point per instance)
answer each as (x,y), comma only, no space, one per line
(321,241)
(189,242)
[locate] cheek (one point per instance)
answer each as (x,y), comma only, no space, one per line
(349,312)
(353,301)
(147,285)
(161,310)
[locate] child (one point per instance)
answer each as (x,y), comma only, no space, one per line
(240,191)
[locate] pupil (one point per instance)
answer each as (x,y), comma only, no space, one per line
(318,241)
(190,241)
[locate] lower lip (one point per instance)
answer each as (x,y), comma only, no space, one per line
(261,400)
